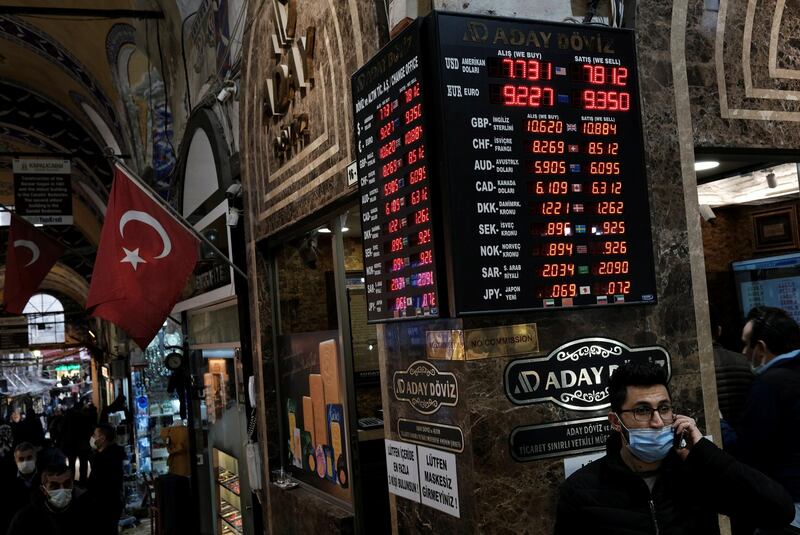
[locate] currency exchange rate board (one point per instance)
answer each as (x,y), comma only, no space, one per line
(391,123)
(543,171)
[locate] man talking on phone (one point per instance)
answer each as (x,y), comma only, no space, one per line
(659,474)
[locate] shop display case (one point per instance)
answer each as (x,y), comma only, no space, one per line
(229,504)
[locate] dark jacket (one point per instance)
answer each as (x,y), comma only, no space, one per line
(14,496)
(105,481)
(734,378)
(607,497)
(38,517)
(768,435)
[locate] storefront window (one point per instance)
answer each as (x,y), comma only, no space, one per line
(312,386)
(155,407)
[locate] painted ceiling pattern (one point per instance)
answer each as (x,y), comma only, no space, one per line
(29,37)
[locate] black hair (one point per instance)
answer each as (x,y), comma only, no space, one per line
(773,326)
(634,374)
(107,432)
(55,469)
(25,446)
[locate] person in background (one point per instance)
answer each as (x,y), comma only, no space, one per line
(659,474)
(56,508)
(16,493)
(733,374)
(105,479)
(768,434)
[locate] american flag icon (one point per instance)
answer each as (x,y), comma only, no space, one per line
(572,127)
(561,71)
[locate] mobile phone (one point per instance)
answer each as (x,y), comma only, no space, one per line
(680,441)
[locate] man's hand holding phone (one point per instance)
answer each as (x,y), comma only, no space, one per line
(686,434)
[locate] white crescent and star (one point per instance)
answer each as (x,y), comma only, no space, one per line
(29,245)
(132,256)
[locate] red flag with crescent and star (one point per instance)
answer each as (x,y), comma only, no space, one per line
(30,257)
(143,261)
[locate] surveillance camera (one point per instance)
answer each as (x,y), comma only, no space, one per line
(707,213)
(234,190)
(228,90)
(771,181)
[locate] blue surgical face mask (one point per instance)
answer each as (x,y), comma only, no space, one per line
(650,445)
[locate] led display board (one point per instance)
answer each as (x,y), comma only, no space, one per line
(394,184)
(543,156)
(535,177)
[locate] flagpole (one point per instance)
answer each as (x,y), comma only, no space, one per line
(173,212)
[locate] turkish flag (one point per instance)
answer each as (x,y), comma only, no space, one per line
(143,261)
(31,254)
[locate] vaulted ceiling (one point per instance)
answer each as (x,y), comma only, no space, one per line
(73,83)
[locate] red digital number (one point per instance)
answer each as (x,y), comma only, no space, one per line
(563,290)
(619,76)
(604,188)
(557,270)
(417,175)
(386,130)
(411,93)
(391,187)
(530,69)
(397,245)
(414,155)
(529,96)
(539,146)
(618,267)
(388,149)
(613,227)
(413,113)
(412,135)
(556,228)
(386,110)
(422,216)
(397,283)
(398,264)
(549,167)
(391,167)
(558,187)
(423,236)
(615,247)
(610,208)
(425,257)
(600,148)
(541,126)
(429,299)
(599,129)
(419,196)
(604,168)
(394,205)
(559,249)
(618,287)
(606,100)
(554,208)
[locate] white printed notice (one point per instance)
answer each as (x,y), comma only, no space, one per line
(401,467)
(439,480)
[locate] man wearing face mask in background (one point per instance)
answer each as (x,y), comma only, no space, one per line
(17,492)
(56,508)
(105,480)
(645,485)
(768,434)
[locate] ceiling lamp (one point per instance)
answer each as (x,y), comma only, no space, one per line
(324,230)
(705,165)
